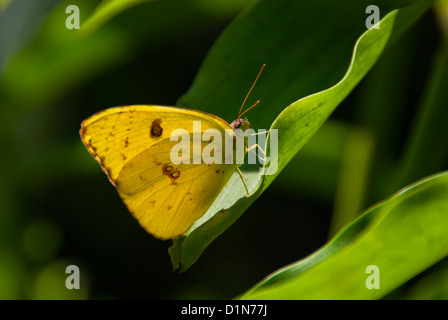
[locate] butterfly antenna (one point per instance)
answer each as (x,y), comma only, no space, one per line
(254,105)
(256,79)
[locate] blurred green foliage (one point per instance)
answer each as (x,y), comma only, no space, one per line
(57,208)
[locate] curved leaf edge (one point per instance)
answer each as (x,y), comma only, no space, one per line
(349,235)
(199,236)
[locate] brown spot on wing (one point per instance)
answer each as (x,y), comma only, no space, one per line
(156,130)
(168,170)
(157,162)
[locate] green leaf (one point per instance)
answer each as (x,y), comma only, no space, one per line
(402,236)
(306,50)
(432,286)
(106,10)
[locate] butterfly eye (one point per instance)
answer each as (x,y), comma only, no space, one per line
(175,174)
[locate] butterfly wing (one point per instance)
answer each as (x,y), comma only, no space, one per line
(132,146)
(166,199)
(116,135)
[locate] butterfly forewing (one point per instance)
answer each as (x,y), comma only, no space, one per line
(116,135)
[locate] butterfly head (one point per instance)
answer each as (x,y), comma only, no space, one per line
(241,123)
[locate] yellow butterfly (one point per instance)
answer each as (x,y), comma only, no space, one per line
(132,144)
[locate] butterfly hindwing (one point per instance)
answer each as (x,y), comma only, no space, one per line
(166,198)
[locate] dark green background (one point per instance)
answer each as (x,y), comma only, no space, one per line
(57,207)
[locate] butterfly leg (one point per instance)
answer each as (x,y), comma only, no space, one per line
(251,149)
(243,180)
(258,133)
